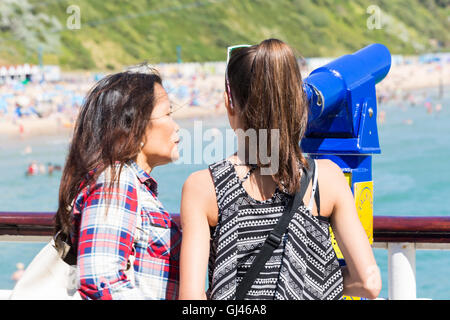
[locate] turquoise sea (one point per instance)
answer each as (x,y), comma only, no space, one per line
(411,177)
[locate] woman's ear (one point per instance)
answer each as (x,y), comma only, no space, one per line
(231,112)
(230,109)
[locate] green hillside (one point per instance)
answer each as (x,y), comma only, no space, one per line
(116,33)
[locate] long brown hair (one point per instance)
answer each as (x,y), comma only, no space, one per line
(266,88)
(108,130)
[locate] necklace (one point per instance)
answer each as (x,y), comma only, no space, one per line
(245,164)
(253,167)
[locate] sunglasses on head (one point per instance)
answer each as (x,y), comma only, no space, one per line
(229,51)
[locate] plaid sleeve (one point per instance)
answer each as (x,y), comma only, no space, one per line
(108,222)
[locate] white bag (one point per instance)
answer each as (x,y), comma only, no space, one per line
(48,277)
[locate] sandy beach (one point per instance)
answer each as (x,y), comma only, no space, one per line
(58,125)
(401,78)
(415,76)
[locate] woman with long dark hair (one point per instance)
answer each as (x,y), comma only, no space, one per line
(231,212)
(108,210)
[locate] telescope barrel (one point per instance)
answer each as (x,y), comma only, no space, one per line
(327,87)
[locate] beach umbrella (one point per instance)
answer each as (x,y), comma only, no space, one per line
(26,69)
(20,72)
(3,74)
(12,71)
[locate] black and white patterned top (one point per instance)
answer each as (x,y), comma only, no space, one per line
(304,266)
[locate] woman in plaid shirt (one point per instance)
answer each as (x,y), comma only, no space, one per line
(108,205)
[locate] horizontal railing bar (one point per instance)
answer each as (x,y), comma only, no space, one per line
(418,245)
(411,229)
(385,228)
(411,223)
(412,237)
(27,218)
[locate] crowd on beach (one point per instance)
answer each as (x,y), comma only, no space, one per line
(416,85)
(41,106)
(23,103)
(195,89)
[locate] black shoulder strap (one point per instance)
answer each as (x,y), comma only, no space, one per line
(317,198)
(276,235)
(316,194)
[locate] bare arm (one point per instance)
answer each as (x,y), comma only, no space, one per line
(361,274)
(197,201)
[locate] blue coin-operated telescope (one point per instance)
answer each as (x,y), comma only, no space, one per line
(342,120)
(343,103)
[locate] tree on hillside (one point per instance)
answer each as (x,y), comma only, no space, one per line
(32,29)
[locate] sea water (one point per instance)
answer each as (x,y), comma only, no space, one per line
(411,177)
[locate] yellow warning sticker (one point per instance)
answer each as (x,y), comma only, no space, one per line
(364,206)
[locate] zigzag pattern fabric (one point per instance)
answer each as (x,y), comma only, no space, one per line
(303,267)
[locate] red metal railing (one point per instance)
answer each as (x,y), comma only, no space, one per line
(385,228)
(412,229)
(26,223)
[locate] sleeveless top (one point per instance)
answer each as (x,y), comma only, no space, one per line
(303,267)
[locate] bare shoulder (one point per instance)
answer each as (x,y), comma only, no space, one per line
(329,171)
(331,176)
(200,178)
(199,195)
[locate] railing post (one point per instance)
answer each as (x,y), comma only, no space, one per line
(402,271)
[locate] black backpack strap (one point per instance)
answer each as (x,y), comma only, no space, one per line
(316,193)
(317,199)
(276,235)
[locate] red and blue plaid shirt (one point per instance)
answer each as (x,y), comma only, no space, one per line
(106,227)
